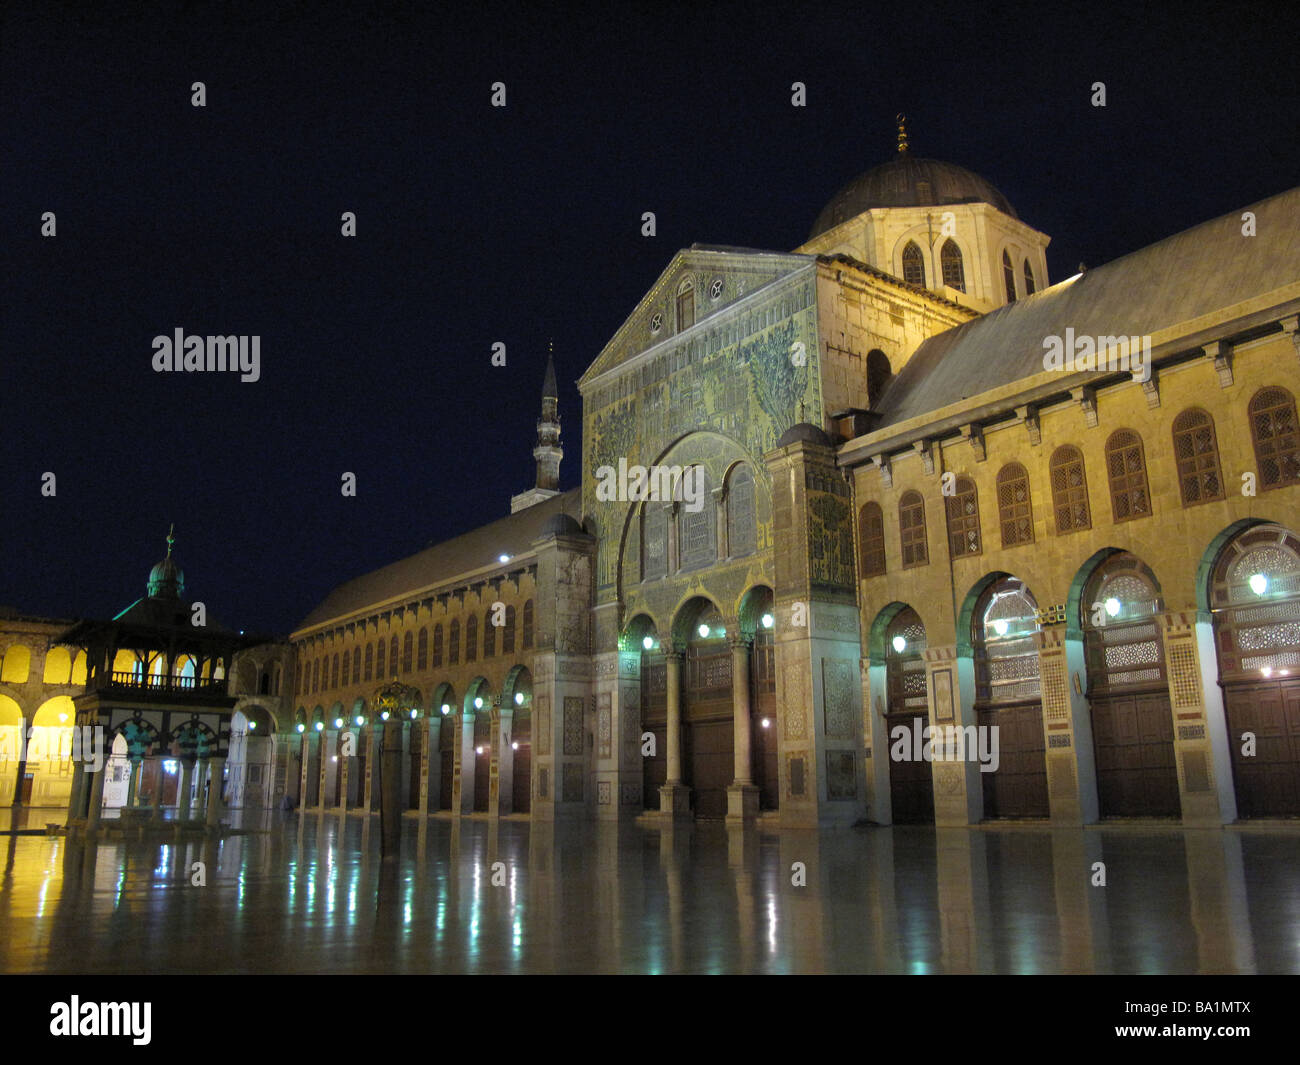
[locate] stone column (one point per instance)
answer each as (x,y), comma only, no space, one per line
(674,796)
(215,805)
(75,801)
(183,798)
(24,733)
(408,728)
(96,797)
(463,801)
(133,784)
(742,795)
(950,684)
(503,734)
(1067,729)
(431,767)
(159,780)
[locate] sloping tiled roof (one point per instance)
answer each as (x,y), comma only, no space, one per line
(1194,273)
(444,562)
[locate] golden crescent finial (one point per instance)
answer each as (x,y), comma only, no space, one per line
(901,119)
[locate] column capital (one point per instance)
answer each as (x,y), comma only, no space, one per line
(740,640)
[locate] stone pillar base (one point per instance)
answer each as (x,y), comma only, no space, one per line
(742,802)
(675,800)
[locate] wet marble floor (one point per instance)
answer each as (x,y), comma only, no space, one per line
(310,893)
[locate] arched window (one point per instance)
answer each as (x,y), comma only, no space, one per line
(698,520)
(1197,453)
(528,624)
(437,645)
(686,307)
(489,635)
(963,519)
(315,676)
(1127,469)
(1015,508)
(347,672)
(408,651)
(1030,287)
(356,664)
(370,660)
(453,643)
(878,375)
(913,265)
(1006,659)
(297,678)
(471,638)
(911,530)
(905,664)
(1009,276)
(392,654)
(953,274)
(1277,437)
(742,535)
(1255,601)
(654,540)
(508,632)
(1122,640)
(871,540)
(334,672)
(379,659)
(422,651)
(1069,490)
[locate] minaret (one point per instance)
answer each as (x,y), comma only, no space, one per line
(548,452)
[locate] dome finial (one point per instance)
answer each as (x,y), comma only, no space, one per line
(901,119)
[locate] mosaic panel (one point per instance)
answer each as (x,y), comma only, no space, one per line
(837,693)
(841,776)
(543,710)
(573,775)
(1182,671)
(573,706)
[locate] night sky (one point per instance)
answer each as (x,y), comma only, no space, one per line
(477,225)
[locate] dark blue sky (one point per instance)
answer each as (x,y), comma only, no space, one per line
(478,225)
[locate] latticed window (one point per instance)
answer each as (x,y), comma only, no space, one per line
(379,660)
(1006,658)
(437,645)
(1069,490)
(699,528)
(1127,469)
(741,532)
(356,665)
(347,662)
(871,540)
(453,643)
(1030,288)
(911,529)
(1255,597)
(508,632)
(1122,639)
(654,541)
(471,638)
(905,664)
(963,519)
(528,624)
(422,651)
(1009,276)
(686,308)
(489,636)
(954,276)
(408,652)
(913,265)
(1015,507)
(370,660)
(1277,437)
(1197,453)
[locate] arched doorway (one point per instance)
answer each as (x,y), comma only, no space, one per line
(708,713)
(49,752)
(654,708)
(1255,600)
(911,780)
(518,693)
(11,749)
(1132,721)
(479,703)
(250,760)
(762,702)
(1008,697)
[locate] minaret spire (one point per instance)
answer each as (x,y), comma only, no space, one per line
(901,119)
(548,451)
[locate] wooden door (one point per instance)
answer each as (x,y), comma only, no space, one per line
(448,757)
(712,766)
(1019,787)
(911,781)
(1134,740)
(522,781)
(1267,782)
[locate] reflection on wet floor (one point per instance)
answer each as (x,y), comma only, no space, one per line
(311,894)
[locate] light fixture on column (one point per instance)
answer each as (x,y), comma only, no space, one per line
(478,750)
(768,621)
(514,746)
(252,726)
(519,698)
(648,642)
(703,631)
(384,716)
(478,702)
(320,725)
(338,722)
(900,643)
(301,727)
(766,722)
(446,708)
(414,713)
(359,720)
